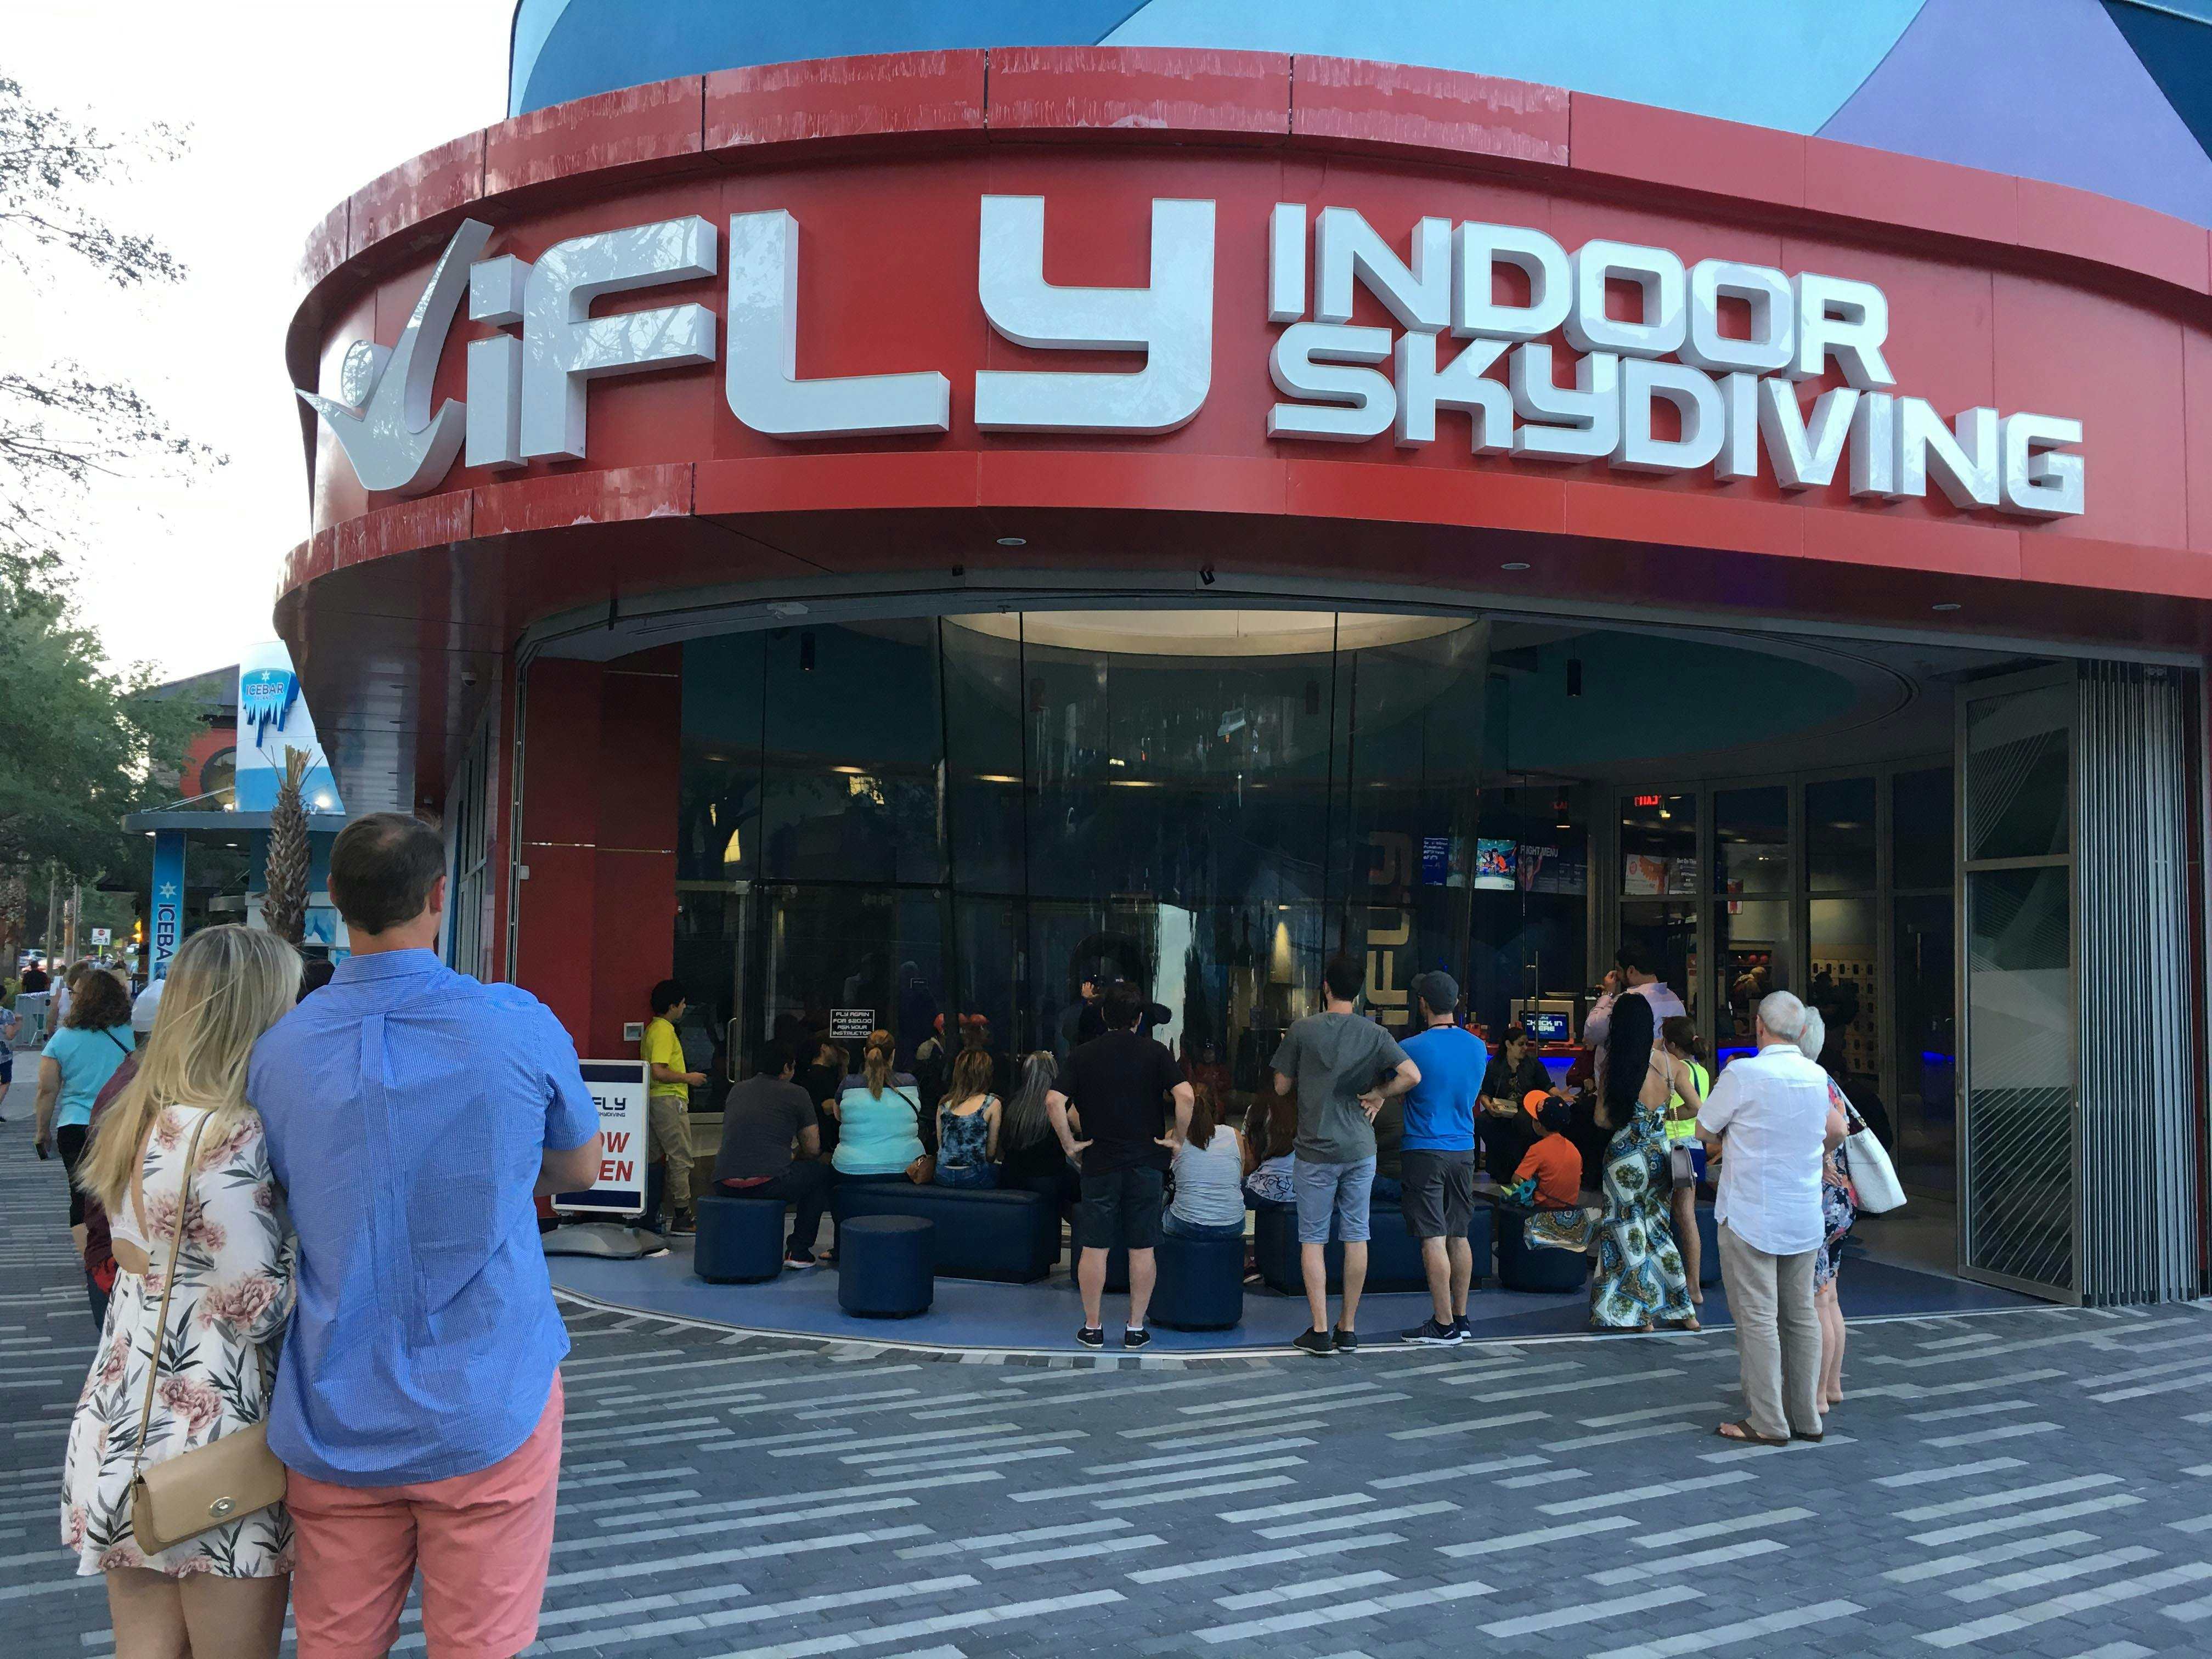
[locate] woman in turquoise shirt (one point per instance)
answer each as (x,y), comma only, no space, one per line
(878,1120)
(78,1060)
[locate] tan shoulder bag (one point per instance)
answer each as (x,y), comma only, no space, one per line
(212,1485)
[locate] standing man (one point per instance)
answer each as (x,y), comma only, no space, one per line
(1118,1086)
(413,1116)
(1345,1066)
(1773,1109)
(763,1119)
(1438,1154)
(1634,973)
(668,1106)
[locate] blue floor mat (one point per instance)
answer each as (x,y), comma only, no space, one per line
(969,1313)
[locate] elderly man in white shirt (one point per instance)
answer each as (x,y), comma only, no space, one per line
(1769,1118)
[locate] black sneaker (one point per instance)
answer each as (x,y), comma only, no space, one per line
(685,1222)
(1136,1336)
(796,1258)
(1315,1342)
(1091,1336)
(1430,1334)
(1466,1331)
(1346,1341)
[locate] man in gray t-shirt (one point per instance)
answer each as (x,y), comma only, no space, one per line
(1343,1066)
(763,1119)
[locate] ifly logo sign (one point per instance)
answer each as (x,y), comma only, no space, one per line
(1722,346)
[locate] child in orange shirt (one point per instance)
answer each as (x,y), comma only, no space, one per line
(1554,1161)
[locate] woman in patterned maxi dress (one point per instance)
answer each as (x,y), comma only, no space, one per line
(1640,1282)
(222,1592)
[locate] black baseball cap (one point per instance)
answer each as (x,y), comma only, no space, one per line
(1438,989)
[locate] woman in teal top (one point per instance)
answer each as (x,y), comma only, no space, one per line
(78,1060)
(878,1120)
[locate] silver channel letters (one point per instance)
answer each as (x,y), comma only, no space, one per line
(1724,345)
(1732,392)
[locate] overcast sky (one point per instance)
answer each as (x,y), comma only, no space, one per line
(291,105)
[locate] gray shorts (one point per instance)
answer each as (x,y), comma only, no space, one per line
(1341,1190)
(1439,1196)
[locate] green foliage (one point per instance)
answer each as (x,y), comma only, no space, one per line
(80,746)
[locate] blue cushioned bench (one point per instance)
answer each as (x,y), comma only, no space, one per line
(1394,1258)
(1011,1236)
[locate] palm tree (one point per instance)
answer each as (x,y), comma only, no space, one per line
(284,907)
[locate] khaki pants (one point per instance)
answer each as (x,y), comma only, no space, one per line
(670,1119)
(1777,1336)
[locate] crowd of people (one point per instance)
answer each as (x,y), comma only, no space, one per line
(310,1223)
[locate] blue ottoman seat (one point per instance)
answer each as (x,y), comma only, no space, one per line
(1525,1267)
(1201,1283)
(1393,1257)
(1005,1234)
(740,1240)
(884,1266)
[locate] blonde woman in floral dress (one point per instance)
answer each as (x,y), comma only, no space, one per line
(219,1595)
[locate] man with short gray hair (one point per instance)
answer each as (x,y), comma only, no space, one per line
(1769,1119)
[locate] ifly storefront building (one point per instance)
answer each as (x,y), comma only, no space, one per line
(896,533)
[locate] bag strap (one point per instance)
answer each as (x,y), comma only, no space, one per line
(168,1284)
(114,1039)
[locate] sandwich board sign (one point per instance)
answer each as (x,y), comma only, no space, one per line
(618,1088)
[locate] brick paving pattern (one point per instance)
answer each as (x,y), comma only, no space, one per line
(2020,1484)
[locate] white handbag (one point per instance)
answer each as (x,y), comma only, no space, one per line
(1874,1177)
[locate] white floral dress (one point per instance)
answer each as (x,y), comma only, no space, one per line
(233,1293)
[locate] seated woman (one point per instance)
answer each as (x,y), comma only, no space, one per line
(878,1118)
(967,1124)
(1030,1155)
(1208,1175)
(1267,1149)
(1639,1282)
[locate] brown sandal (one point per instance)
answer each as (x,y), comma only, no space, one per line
(1747,1436)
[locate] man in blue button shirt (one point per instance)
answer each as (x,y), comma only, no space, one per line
(412,1115)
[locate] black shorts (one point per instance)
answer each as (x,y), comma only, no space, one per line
(1120,1208)
(1439,1196)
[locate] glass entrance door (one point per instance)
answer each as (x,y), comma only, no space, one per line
(2019,1121)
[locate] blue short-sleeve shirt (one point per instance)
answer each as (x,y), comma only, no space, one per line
(1440,1108)
(408,1109)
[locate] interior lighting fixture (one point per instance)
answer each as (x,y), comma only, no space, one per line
(806,651)
(849,771)
(1515,564)
(995,777)
(1013,541)
(1947,604)
(1574,676)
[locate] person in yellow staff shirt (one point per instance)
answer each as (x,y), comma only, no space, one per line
(668,1102)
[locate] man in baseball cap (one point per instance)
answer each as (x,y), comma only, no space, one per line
(1437,1153)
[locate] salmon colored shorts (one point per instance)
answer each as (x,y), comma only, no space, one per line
(483,1542)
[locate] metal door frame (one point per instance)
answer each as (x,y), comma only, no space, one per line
(2067,675)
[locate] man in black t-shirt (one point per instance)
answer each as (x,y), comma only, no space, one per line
(1119,1086)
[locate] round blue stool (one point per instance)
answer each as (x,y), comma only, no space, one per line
(1200,1286)
(886,1265)
(740,1240)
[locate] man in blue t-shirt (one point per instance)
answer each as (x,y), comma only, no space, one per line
(1438,1154)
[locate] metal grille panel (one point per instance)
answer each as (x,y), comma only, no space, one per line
(2140,1077)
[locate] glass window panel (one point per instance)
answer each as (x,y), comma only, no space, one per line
(708,959)
(718,812)
(877,949)
(854,747)
(983,718)
(2019,1153)
(2016,774)
(1658,845)
(1921,809)
(1530,936)
(1845,986)
(1840,835)
(1926,1111)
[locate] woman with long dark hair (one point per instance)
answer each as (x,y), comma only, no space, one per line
(1639,1283)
